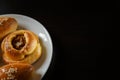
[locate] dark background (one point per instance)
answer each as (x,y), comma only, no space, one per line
(81,34)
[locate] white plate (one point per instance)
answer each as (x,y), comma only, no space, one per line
(31,24)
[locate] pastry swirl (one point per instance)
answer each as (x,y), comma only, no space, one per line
(21,46)
(7,25)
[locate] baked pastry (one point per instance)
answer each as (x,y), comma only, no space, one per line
(21,46)
(7,25)
(16,71)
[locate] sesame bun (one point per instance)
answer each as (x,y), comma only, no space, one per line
(16,71)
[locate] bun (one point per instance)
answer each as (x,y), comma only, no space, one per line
(21,46)
(7,25)
(16,71)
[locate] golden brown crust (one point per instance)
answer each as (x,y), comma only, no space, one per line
(28,59)
(28,54)
(16,71)
(7,25)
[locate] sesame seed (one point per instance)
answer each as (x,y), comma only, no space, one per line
(3,70)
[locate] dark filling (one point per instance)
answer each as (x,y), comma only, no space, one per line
(18,42)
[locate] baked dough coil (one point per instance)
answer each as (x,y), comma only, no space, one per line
(21,46)
(7,25)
